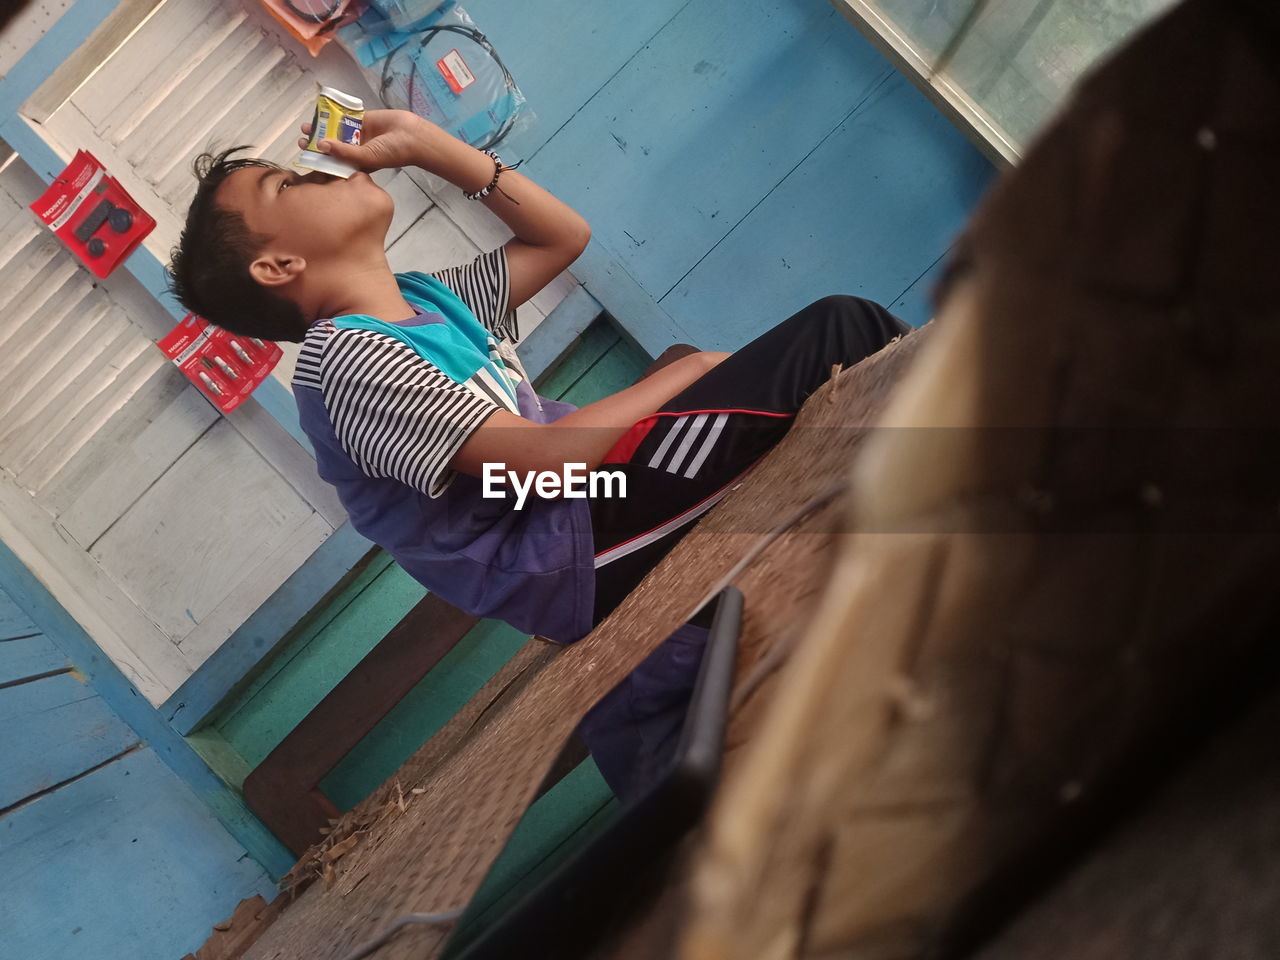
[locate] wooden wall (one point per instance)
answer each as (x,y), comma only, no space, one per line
(736,160)
(104,850)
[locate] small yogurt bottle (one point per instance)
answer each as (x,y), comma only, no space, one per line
(338,116)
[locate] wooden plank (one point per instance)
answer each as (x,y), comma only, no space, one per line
(132,819)
(234,490)
(27,699)
(261,634)
(540,350)
(618,368)
(257,722)
(282,789)
(130,639)
(31,656)
(561,58)
(595,341)
(927,178)
(163,424)
(108,681)
(273,441)
(81,41)
(55,744)
(261,579)
(424,711)
(431,243)
(14,621)
(677,121)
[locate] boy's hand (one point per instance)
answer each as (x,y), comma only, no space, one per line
(388,138)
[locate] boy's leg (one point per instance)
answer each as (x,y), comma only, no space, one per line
(681,460)
(678,463)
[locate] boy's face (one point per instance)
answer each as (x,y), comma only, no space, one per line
(322,219)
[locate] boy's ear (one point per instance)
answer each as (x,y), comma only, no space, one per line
(273,270)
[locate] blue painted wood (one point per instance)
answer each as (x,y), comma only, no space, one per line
(915,304)
(258,636)
(871,235)
(115,689)
(643,319)
(56,743)
(13,620)
(701,124)
(24,657)
(562,51)
(44,694)
(125,862)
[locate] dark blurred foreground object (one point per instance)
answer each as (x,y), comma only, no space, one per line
(10,9)
(1067,567)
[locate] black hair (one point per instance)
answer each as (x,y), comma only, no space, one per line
(209,268)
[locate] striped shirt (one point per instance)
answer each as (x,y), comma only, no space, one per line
(404,397)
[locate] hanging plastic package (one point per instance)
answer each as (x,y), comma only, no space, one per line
(443,69)
(313,23)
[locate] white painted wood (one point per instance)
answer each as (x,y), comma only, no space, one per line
(133,642)
(160,524)
(106,461)
(123,474)
(98,435)
(288,459)
(198,531)
(431,243)
(260,581)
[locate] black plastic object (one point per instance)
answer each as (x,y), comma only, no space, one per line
(95,247)
(96,218)
(574,907)
(120,219)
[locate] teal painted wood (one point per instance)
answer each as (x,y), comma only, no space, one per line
(554,826)
(595,341)
(424,710)
(57,742)
(124,862)
(25,657)
(115,689)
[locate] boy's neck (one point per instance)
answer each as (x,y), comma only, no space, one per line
(369,290)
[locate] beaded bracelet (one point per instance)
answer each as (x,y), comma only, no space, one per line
(497,170)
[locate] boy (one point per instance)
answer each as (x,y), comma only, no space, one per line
(407,385)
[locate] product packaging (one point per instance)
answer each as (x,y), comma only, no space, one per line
(93,215)
(338,116)
(313,22)
(227,367)
(442,68)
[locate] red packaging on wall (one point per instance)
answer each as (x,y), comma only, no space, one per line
(227,367)
(97,220)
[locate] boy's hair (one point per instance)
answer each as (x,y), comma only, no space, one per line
(209,268)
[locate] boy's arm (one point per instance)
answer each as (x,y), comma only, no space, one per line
(583,436)
(549,234)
